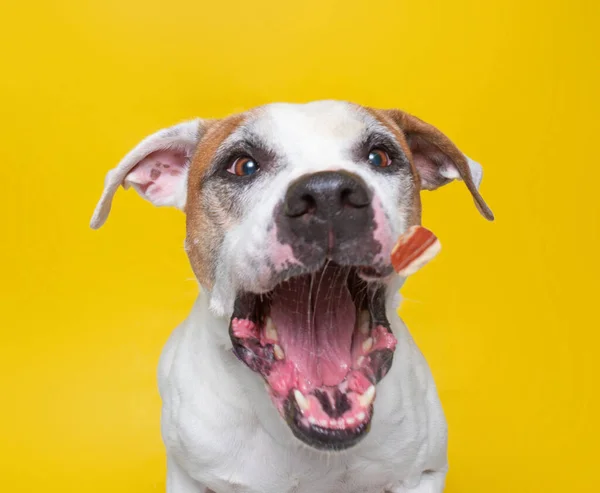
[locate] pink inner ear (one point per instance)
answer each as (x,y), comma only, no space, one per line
(158,177)
(434,167)
(428,171)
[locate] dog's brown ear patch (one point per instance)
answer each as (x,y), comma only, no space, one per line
(437,160)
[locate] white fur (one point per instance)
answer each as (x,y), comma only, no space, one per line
(220,429)
(475,168)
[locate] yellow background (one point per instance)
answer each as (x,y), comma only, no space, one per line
(507,315)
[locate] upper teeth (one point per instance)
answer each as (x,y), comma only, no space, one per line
(367,345)
(364,322)
(271,330)
(301,400)
(366,399)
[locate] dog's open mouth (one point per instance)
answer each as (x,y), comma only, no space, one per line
(321,342)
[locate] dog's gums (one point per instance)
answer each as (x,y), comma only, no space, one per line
(321,342)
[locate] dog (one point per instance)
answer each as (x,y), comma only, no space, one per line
(293,371)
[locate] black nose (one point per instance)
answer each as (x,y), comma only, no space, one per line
(327,195)
(327,214)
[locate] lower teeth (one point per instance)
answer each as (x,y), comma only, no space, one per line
(367,398)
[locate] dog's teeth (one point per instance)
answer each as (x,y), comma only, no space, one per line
(312,420)
(364,322)
(360,361)
(366,399)
(271,330)
(301,400)
(361,416)
(323,423)
(367,345)
(279,354)
(350,421)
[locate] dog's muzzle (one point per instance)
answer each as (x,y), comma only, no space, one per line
(328,215)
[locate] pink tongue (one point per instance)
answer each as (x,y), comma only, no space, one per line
(315,321)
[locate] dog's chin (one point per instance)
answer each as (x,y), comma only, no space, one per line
(322,342)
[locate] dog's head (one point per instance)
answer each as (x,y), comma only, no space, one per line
(292,213)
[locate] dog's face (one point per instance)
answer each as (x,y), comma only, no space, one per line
(292,213)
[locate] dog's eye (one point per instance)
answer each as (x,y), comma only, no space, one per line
(379,158)
(243,166)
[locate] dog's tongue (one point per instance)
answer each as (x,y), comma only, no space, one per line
(315,320)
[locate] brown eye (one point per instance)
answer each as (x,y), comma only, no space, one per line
(243,166)
(379,158)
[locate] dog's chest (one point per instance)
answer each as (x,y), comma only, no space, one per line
(308,477)
(233,455)
(263,467)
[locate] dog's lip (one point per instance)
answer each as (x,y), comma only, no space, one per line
(323,438)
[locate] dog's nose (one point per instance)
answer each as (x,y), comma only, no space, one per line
(329,211)
(327,195)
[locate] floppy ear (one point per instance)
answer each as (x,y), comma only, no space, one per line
(438,160)
(156,168)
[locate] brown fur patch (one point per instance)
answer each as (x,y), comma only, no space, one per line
(385,119)
(204,234)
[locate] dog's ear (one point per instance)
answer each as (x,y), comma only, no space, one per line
(438,160)
(156,168)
